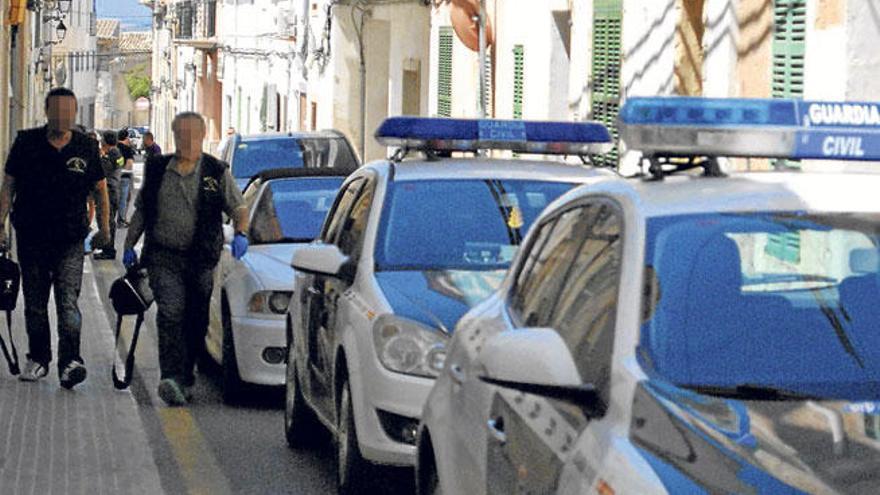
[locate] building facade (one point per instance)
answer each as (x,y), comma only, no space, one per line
(75,59)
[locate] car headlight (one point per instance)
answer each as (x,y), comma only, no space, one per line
(270,302)
(406,346)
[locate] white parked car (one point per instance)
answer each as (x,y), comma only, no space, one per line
(246,330)
(409,247)
(687,335)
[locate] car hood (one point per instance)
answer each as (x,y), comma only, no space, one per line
(271,264)
(697,442)
(437,298)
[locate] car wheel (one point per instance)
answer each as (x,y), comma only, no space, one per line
(350,466)
(232,384)
(299,422)
(427,478)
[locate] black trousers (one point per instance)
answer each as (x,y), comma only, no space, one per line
(182,290)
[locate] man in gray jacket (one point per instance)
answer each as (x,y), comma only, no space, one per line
(180,212)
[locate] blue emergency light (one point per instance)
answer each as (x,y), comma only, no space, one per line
(770,128)
(470,135)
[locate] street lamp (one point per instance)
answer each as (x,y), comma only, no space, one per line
(60,31)
(64,6)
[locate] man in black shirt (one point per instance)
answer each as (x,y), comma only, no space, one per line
(49,173)
(127,179)
(112,162)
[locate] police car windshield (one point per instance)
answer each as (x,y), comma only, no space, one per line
(252,156)
(292,210)
(790,301)
(459,224)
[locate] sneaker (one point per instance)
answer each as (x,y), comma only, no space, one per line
(171,392)
(33,371)
(73,374)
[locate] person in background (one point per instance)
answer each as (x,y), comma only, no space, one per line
(49,173)
(126,180)
(179,210)
(150,146)
(112,162)
(221,148)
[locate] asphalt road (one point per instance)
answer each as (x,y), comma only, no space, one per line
(210,447)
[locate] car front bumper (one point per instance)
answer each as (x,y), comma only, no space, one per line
(257,339)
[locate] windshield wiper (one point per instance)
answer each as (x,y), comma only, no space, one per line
(749,391)
(829,313)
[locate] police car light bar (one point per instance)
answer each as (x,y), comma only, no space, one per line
(442,134)
(769,128)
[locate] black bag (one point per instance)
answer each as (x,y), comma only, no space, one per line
(131,295)
(10,282)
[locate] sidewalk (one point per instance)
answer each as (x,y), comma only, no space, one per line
(89,440)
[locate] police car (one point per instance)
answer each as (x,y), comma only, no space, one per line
(408,247)
(686,334)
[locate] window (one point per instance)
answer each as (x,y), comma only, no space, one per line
(586,307)
(789,47)
(293,210)
(605,102)
(518,70)
(351,238)
(540,282)
(459,224)
(444,71)
(340,210)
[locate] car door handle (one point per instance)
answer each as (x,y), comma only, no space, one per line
(456,373)
(313,291)
(496,429)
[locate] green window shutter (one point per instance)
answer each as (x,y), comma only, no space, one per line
(444,72)
(785,247)
(518,64)
(789,47)
(605,100)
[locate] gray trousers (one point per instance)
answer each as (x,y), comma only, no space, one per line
(183,292)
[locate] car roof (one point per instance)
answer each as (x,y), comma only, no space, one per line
(273,174)
(288,135)
(481,168)
(749,191)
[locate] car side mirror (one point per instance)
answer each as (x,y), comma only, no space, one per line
(228,233)
(321,259)
(537,361)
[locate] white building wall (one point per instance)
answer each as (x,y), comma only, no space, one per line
(257,54)
(396,37)
(720,49)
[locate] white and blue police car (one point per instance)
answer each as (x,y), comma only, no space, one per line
(408,247)
(686,334)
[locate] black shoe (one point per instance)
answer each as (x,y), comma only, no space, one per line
(105,255)
(73,374)
(172,393)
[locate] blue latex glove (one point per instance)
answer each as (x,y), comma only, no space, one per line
(239,246)
(129,258)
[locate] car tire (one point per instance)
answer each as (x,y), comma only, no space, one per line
(300,423)
(351,467)
(427,478)
(232,384)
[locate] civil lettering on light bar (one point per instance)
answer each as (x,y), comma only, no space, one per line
(440,134)
(773,128)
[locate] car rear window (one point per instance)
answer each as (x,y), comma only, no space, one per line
(253,156)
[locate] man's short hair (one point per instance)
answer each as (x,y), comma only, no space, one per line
(122,135)
(60,92)
(150,135)
(188,115)
(109,138)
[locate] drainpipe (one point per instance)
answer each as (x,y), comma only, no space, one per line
(482,103)
(359,29)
